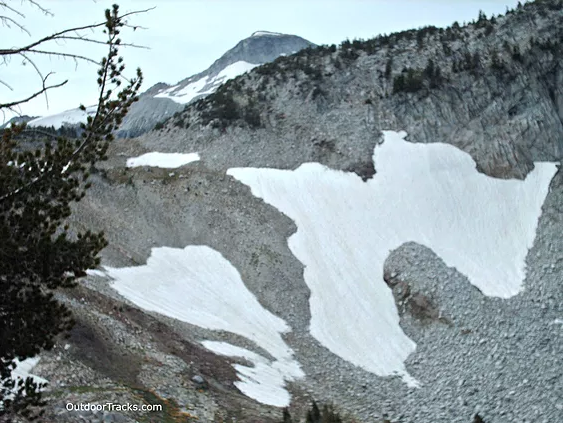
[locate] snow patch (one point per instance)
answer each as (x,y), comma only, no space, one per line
(427,193)
(96,272)
(66,118)
(205,85)
(265,381)
(163,160)
(199,286)
(188,93)
(24,369)
(234,70)
(265,33)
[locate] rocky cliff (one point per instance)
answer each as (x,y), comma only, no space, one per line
(498,95)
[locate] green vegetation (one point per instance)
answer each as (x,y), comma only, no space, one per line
(413,80)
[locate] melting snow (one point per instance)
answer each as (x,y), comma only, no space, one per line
(265,381)
(199,286)
(427,193)
(69,117)
(234,70)
(163,160)
(96,272)
(186,94)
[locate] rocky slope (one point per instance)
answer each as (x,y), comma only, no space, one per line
(498,96)
(163,100)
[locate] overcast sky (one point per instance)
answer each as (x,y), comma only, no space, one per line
(186,36)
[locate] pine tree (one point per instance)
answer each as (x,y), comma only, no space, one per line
(286,416)
(315,413)
(38,253)
(389,68)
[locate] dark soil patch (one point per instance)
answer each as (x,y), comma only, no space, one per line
(97,351)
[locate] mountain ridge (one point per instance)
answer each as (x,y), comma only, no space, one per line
(309,75)
(163,100)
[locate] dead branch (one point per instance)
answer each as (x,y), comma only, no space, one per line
(32,96)
(59,35)
(6,21)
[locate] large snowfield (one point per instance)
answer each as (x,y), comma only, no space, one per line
(431,194)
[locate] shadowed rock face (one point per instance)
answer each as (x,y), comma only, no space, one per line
(261,47)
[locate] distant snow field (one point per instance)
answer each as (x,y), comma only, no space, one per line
(262,33)
(431,194)
(163,160)
(205,85)
(199,286)
(68,117)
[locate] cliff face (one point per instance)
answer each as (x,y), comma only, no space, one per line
(498,95)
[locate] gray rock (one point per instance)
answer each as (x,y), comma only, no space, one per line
(256,49)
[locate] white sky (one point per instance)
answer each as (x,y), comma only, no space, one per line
(186,36)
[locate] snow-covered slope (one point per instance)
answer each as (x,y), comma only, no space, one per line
(199,286)
(162,100)
(427,193)
(67,118)
(184,94)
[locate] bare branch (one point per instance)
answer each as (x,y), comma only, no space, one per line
(6,85)
(89,40)
(58,35)
(11,9)
(69,55)
(32,96)
(42,9)
(6,21)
